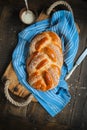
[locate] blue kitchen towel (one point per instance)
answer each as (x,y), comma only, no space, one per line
(61,22)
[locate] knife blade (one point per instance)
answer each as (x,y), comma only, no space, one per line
(78,62)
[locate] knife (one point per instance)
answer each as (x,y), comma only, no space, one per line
(80,59)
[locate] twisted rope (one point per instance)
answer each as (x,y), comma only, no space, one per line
(59,3)
(12,100)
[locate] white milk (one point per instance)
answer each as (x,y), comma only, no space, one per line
(27,17)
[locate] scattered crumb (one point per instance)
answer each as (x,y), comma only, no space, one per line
(79,94)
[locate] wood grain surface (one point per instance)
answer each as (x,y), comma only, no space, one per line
(34,117)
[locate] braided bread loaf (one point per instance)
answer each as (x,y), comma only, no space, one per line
(45,60)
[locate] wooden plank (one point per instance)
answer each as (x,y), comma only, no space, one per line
(34,116)
(12,122)
(10,25)
(78,90)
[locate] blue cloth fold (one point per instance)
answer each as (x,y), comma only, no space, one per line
(61,22)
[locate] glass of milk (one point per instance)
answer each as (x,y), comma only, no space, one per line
(26,15)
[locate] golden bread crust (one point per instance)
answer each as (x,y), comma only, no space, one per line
(44,62)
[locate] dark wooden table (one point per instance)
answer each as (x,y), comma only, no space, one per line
(34,117)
